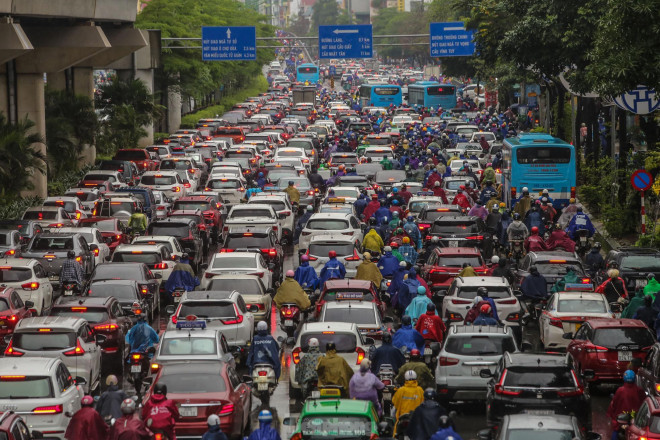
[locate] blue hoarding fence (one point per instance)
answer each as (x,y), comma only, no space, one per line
(229,43)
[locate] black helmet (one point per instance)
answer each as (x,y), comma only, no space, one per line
(597,245)
(406,320)
(579,209)
(430,394)
(516,216)
(372,221)
(330,346)
(387,338)
(482,292)
(533,269)
(71,254)
(160,388)
(430,307)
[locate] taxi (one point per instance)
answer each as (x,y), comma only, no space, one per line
(420,201)
(349,289)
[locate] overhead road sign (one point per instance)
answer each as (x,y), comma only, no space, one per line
(349,41)
(450,40)
(229,43)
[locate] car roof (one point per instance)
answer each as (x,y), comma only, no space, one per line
(18,262)
(457,251)
(330,215)
(28,366)
(615,323)
(193,333)
(140,247)
(235,254)
(350,304)
(49,321)
(91,300)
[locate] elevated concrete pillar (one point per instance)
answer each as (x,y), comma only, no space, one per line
(30,103)
(13,41)
(173,109)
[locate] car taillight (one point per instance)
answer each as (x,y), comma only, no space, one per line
(106,327)
(174,319)
(96,252)
(160,266)
(586,280)
(355,256)
(556,322)
(577,391)
(226,409)
(160,208)
(499,388)
(11,318)
(52,409)
(475,237)
(295,355)
(513,317)
(447,361)
(187,185)
(423,226)
(360,357)
(144,289)
(310,193)
(225,251)
(257,274)
(270,252)
(11,351)
(237,320)
(208,275)
(30,286)
(77,351)
(507,301)
(176,189)
(591,348)
(455,317)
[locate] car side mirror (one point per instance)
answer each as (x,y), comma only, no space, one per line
(616,307)
(388,320)
(80,380)
(100,339)
(369,341)
(568,335)
(271,266)
(204,266)
(270,291)
(148,381)
(435,347)
(363,227)
(253,308)
(158,276)
(517,293)
(170,310)
(588,374)
(485,434)
(247,379)
(290,421)
(29,304)
(593,436)
(108,240)
(485,373)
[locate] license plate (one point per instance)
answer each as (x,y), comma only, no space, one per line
(288,322)
(262,386)
(640,283)
(453,243)
(540,412)
(625,355)
(387,396)
(428,351)
(476,371)
(188,411)
(136,368)
(54,278)
(68,292)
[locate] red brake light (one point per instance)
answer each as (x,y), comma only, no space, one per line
(263,373)
(30,286)
(53,409)
(295,354)
(226,409)
(556,322)
(360,353)
(237,320)
(499,388)
(447,361)
(355,256)
(11,351)
(160,266)
(77,351)
(106,327)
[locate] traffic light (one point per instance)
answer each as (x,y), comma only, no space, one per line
(400,5)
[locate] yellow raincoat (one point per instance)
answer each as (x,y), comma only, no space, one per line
(334,370)
(367,270)
(467,272)
(407,398)
(373,242)
(291,292)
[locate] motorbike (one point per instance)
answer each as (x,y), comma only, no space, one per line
(535,307)
(139,368)
(264,382)
(431,351)
(386,375)
(517,250)
(402,425)
(623,420)
(289,318)
(70,289)
(582,245)
(177,293)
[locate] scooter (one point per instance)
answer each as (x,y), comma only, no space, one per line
(264,382)
(431,351)
(517,250)
(289,318)
(70,289)
(139,368)
(386,375)
(582,245)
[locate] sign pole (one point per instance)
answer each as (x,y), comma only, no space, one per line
(643,213)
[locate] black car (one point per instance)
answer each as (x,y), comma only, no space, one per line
(259,239)
(127,292)
(147,281)
(186,231)
(553,265)
(634,264)
(461,231)
(535,382)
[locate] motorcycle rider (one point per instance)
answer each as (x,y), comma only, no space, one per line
(306,370)
(141,336)
(333,369)
(302,222)
(419,304)
(485,317)
(305,274)
(264,350)
(388,263)
(559,239)
(293,193)
(445,430)
(129,426)
(333,269)
(407,336)
(182,276)
(594,260)
(430,325)
(534,243)
(72,271)
(265,431)
(524,203)
(138,222)
(387,354)
(161,413)
(580,221)
(364,385)
(413,232)
(214,432)
(614,287)
(368,271)
(373,242)
(109,404)
(291,292)
(86,423)
(425,419)
(534,286)
(408,251)
(627,398)
(408,397)
(647,313)
(517,229)
(416,364)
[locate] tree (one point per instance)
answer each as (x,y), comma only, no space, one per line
(324,12)
(20,157)
(389,21)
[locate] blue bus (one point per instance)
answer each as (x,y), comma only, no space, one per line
(307,72)
(538,161)
(432,94)
(380,95)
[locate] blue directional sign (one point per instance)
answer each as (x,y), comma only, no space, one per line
(229,43)
(451,40)
(350,41)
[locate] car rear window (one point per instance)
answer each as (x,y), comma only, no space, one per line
(458,226)
(479,345)
(432,215)
(248,213)
(68,206)
(327,225)
(113,207)
(359,316)
(559,268)
(118,272)
(90,314)
(137,257)
(535,377)
(52,244)
(12,274)
(322,249)
(496,292)
(541,434)
(223,184)
(175,165)
(244,286)
(193,383)
(454,185)
(192,205)
(158,180)
(102,177)
(331,295)
(25,387)
(253,240)
(345,192)
(458,260)
(276,204)
(119,291)
(344,159)
(44,341)
(576,305)
(647,263)
(345,342)
(179,230)
(82,196)
(615,337)
(4,305)
(335,426)
(208,309)
(234,263)
(40,215)
(102,225)
(188,346)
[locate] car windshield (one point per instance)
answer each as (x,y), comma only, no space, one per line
(223,184)
(559,268)
(496,292)
(179,230)
(339,426)
(327,225)
(25,387)
(234,263)
(359,316)
(10,274)
(52,244)
(92,315)
(44,341)
(188,346)
(247,240)
(458,260)
(539,377)
(614,337)
(479,345)
(250,213)
(193,383)
(102,225)
(158,180)
(208,309)
(457,226)
(244,286)
(40,215)
(321,249)
(540,434)
(282,176)
(571,305)
(68,206)
(119,291)
(650,263)
(345,342)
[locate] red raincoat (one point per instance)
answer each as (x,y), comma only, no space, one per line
(430,326)
(628,397)
(560,239)
(157,409)
(461,200)
(371,209)
(86,424)
(129,427)
(534,243)
(439,192)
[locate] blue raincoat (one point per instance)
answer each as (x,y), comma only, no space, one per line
(141,336)
(264,432)
(214,433)
(181,278)
(408,337)
(388,264)
(407,291)
(408,253)
(264,350)
(397,280)
(413,232)
(387,354)
(446,434)
(381,213)
(333,269)
(306,276)
(580,221)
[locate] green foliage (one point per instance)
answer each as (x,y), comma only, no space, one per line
(58,186)
(15,209)
(392,22)
(327,12)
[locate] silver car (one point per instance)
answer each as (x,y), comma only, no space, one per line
(346,247)
(539,425)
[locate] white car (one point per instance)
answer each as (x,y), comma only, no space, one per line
(169,182)
(466,130)
(238,263)
(282,205)
(255,214)
(87,196)
(489,136)
(93,236)
(235,171)
(290,152)
(363,313)
(163,204)
(115,178)
(350,343)
(348,252)
(30,280)
(192,344)
(47,394)
(320,224)
(171,243)
(69,339)
(565,312)
(71,204)
(48,215)
(349,193)
(456,165)
(400,121)
(156,256)
(230,187)
(251,288)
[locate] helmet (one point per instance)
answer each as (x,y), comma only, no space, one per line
(435,239)
(184,256)
(213,420)
(406,320)
(629,376)
(160,388)
(332,254)
(533,269)
(71,254)
(411,218)
(436,183)
(430,307)
(128,406)
(310,208)
(516,216)
(535,230)
(290,273)
(410,374)
(650,276)
(444,422)
(482,292)
(597,245)
(260,174)
(403,264)
(394,245)
(330,346)
(387,338)
(395,202)
(395,190)
(571,200)
(313,342)
(525,190)
(430,394)
(372,221)
(502,205)
(421,290)
(366,255)
(387,249)
(485,309)
(305,257)
(415,354)
(262,326)
(87,400)
(265,416)
(406,240)
(494,259)
(579,209)
(111,380)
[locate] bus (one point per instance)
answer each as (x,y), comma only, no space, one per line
(307,72)
(432,94)
(380,95)
(538,161)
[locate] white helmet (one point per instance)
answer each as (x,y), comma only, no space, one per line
(410,375)
(213,420)
(262,326)
(313,342)
(525,189)
(494,259)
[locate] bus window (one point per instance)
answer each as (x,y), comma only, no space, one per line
(546,155)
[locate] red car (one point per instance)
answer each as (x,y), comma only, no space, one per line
(444,264)
(13,427)
(365,290)
(606,347)
(138,156)
(112,230)
(236,133)
(210,211)
(646,421)
(12,310)
(201,388)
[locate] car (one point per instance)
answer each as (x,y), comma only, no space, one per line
(432,211)
(425,200)
(257,239)
(48,215)
(452,184)
(112,230)
(444,264)
(460,231)
(553,265)
(321,224)
(644,424)
(466,350)
(648,374)
(148,281)
(251,288)
(538,424)
(48,391)
(163,151)
(224,310)
(239,263)
(138,156)
(386,179)
(360,182)
(145,196)
(120,206)
(365,314)
(197,218)
(115,178)
(538,382)
(105,314)
(253,215)
(13,427)
(230,187)
(71,204)
(376,154)
(334,418)
(338,290)
(348,252)
(460,299)
(163,205)
(93,237)
(169,182)
(346,159)
(634,264)
(10,243)
(202,388)
(210,211)
(184,230)
(605,347)
(129,169)
(171,243)
(349,193)
(29,279)
(102,186)
(12,310)
(69,339)
(282,205)
(87,196)
(26,228)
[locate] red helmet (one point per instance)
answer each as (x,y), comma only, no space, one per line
(394,244)
(535,230)
(332,254)
(414,353)
(485,309)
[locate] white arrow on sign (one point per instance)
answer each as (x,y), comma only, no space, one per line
(228,33)
(455,28)
(345,31)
